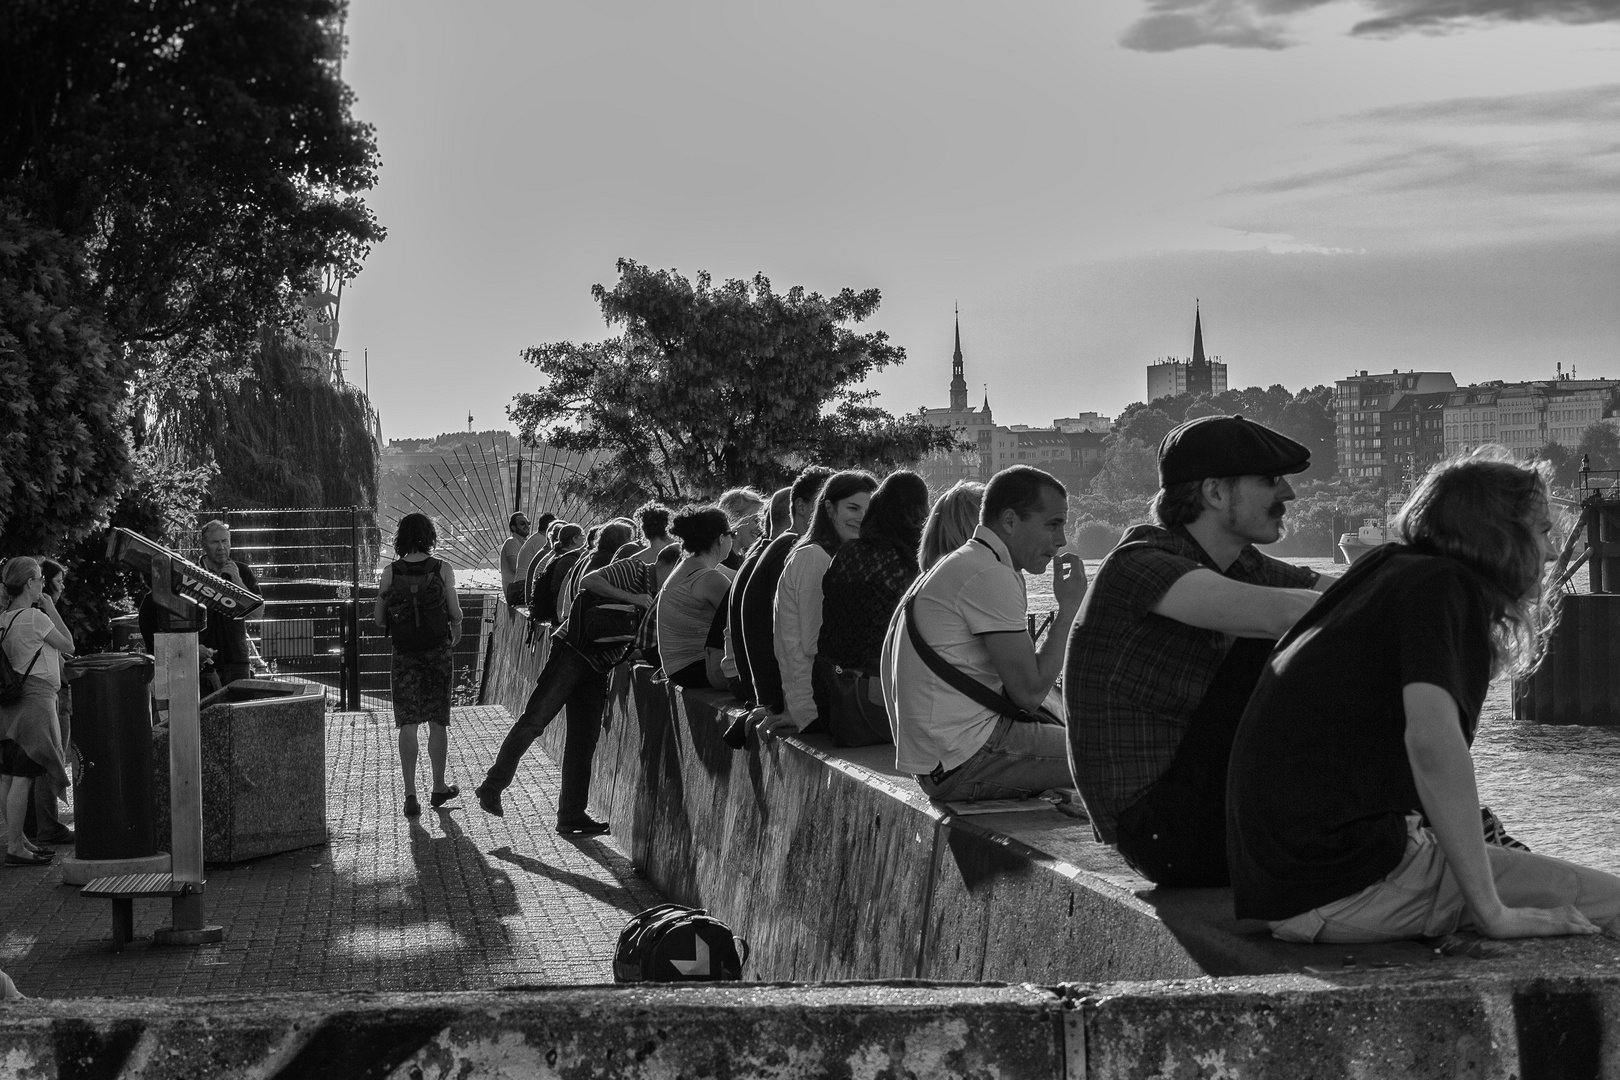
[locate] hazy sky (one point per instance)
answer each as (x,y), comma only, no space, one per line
(1345,186)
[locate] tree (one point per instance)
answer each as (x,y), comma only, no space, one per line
(1565,463)
(1129,468)
(63,457)
(708,388)
(277,432)
(201,152)
(1600,445)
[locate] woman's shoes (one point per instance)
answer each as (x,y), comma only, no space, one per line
(27,860)
(583,827)
(412,807)
(439,798)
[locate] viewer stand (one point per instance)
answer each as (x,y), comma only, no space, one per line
(188,593)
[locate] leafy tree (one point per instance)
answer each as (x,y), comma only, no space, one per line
(1130,467)
(200,152)
(1600,444)
(1565,463)
(707,388)
(277,431)
(63,456)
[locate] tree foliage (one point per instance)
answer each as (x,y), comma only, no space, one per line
(1305,416)
(1600,445)
(711,387)
(63,457)
(277,432)
(200,152)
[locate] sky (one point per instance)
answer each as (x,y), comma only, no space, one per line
(1341,186)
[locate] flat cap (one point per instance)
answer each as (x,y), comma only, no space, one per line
(1227,446)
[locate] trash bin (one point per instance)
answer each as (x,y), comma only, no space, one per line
(126,632)
(112,728)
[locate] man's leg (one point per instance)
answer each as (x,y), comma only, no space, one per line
(1016,761)
(560,676)
(584,712)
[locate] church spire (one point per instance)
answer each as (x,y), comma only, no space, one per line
(958,380)
(1199,377)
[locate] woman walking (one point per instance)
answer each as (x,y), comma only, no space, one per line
(35,639)
(417,606)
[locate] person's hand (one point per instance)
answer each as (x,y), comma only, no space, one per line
(1068,579)
(230,572)
(204,653)
(771,724)
(1527,922)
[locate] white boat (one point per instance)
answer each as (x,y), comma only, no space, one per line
(1373,533)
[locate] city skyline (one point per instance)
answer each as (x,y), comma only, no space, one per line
(1074,176)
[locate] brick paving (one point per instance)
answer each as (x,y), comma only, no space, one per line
(454,900)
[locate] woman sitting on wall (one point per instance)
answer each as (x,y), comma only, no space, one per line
(839,509)
(690,598)
(870,574)
(951,522)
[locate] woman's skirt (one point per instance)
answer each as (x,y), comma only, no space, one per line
(422,687)
(31,724)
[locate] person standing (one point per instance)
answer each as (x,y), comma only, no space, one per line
(47,793)
(694,593)
(35,640)
(223,646)
(511,579)
(418,608)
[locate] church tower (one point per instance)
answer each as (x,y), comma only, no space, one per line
(958,381)
(1199,380)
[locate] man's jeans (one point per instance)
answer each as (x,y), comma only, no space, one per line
(1019,759)
(567,680)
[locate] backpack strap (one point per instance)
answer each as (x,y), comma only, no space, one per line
(957,680)
(14,616)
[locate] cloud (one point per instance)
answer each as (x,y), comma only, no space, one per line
(1459,169)
(1263,24)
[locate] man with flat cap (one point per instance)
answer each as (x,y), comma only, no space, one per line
(1170,642)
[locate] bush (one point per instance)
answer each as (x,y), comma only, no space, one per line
(1094,539)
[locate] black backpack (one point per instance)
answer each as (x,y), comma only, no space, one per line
(674,943)
(11,680)
(418,616)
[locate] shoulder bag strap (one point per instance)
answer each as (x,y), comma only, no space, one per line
(14,616)
(959,681)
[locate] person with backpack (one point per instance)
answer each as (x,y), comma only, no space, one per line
(33,641)
(417,606)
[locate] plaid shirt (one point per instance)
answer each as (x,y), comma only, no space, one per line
(1133,679)
(633,576)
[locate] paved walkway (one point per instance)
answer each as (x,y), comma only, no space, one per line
(454,900)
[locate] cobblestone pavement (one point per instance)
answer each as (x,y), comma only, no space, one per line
(454,900)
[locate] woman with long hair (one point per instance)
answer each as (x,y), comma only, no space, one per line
(870,573)
(1352,810)
(840,506)
(690,599)
(417,606)
(35,641)
(951,522)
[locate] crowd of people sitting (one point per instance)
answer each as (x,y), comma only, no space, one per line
(1186,695)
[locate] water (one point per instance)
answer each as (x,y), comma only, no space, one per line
(1555,787)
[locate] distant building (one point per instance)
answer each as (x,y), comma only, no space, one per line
(1362,405)
(1086,421)
(1525,417)
(1416,436)
(1171,377)
(941,470)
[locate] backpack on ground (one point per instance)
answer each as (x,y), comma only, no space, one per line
(675,943)
(12,681)
(418,614)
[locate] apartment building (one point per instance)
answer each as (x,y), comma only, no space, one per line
(1362,405)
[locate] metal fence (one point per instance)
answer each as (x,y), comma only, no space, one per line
(318,570)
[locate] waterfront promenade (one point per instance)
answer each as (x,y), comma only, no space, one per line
(454,900)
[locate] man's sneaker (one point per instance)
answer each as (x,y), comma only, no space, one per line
(489,799)
(585,826)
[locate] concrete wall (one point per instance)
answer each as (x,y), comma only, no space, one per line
(830,870)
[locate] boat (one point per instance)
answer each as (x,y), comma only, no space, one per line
(1373,533)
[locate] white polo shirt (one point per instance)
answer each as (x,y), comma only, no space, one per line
(974,590)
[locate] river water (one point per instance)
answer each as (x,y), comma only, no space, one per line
(1555,787)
